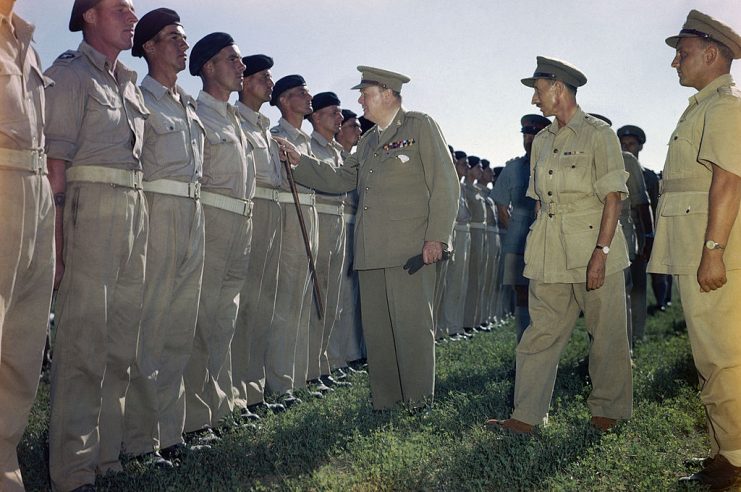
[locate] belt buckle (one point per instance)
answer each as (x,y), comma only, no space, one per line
(247,211)
(37,162)
(136,180)
(551,209)
(276,195)
(194,190)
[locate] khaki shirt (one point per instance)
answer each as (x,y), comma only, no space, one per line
(707,133)
(572,170)
(256,127)
(464,215)
(637,195)
(93,116)
(331,153)
(510,191)
(21,87)
(407,185)
(173,134)
(228,164)
(475,202)
(300,139)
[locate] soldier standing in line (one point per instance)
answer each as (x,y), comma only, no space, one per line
(326,119)
(408,195)
(257,299)
(95,118)
(477,259)
(492,290)
(573,258)
(516,214)
(698,234)
(27,238)
(172,161)
(228,185)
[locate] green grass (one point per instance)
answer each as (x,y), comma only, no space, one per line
(340,444)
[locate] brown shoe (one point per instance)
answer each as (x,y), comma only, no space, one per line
(603,423)
(719,474)
(510,425)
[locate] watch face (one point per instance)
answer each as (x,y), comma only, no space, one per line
(605,249)
(710,244)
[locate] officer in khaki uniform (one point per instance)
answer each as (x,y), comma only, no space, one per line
(478,259)
(326,119)
(573,257)
(408,196)
(456,282)
(698,234)
(490,294)
(95,118)
(172,159)
(287,361)
(257,299)
(516,212)
(228,185)
(27,238)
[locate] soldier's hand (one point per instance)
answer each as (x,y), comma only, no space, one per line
(596,270)
(711,274)
(432,251)
(288,151)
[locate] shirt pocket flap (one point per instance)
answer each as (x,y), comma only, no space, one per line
(220,137)
(679,204)
(162,126)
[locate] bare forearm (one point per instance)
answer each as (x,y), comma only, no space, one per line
(58,182)
(610,215)
(503,213)
(723,206)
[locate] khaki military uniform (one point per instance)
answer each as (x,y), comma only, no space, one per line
(456,282)
(287,360)
(477,259)
(637,195)
(27,238)
(408,194)
(228,185)
(172,159)
(257,299)
(491,293)
(329,260)
(95,122)
(573,169)
(707,133)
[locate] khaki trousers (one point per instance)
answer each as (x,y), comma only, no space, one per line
(98,310)
(440,277)
(287,356)
(713,321)
(155,403)
(257,304)
(456,284)
(207,377)
(476,278)
(397,323)
(329,260)
(346,343)
(26,278)
(554,309)
(494,276)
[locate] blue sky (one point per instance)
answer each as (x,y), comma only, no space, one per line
(465,58)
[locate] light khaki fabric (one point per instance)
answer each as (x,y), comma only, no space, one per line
(256,127)
(477,257)
(454,299)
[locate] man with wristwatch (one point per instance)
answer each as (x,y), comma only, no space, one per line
(699,205)
(573,257)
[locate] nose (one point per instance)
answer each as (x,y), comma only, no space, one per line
(184,44)
(535,100)
(133,19)
(675,61)
(242,66)
(360,99)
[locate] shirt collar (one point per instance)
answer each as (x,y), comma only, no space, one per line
(711,88)
(292,130)
(222,107)
(391,121)
(98,60)
(155,88)
(575,123)
(315,135)
(18,27)
(255,117)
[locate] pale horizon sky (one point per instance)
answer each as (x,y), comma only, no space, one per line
(465,59)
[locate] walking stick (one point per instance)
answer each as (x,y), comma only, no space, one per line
(307,243)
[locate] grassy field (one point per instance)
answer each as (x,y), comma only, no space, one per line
(339,444)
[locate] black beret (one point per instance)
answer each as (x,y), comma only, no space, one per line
(287,82)
(150,25)
(256,63)
(206,48)
(533,123)
(347,114)
(485,163)
(473,161)
(603,118)
(324,99)
(497,171)
(79,8)
(459,154)
(632,130)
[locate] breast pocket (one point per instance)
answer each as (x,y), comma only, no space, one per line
(576,172)
(170,140)
(104,111)
(580,233)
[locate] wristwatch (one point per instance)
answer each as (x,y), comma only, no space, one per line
(605,249)
(710,244)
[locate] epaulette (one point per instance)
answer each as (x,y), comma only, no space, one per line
(67,57)
(595,122)
(729,90)
(417,115)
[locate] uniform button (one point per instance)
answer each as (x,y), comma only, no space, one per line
(370,171)
(172,128)
(675,137)
(550,171)
(365,208)
(367,188)
(375,154)
(550,193)
(555,151)
(573,166)
(551,215)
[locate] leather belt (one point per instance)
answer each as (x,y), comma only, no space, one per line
(33,161)
(107,175)
(174,188)
(230,204)
(279,196)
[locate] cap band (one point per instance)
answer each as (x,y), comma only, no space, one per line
(544,75)
(695,32)
(373,82)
